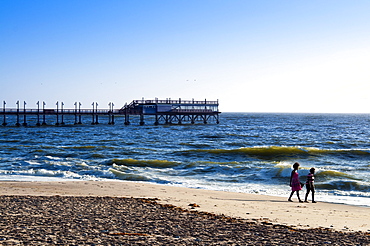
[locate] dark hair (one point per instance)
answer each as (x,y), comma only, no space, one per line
(312,170)
(296,165)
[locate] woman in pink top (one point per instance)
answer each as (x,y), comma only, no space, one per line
(294,182)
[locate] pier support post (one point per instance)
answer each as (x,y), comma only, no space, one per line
(17,124)
(57,124)
(4,121)
(205,119)
(93,122)
(112,121)
(75,113)
(110,114)
(142,120)
(38,113)
(79,114)
(111,105)
(127,119)
(44,116)
(96,114)
(24,114)
(62,115)
(156,123)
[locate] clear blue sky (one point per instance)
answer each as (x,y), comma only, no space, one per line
(254,56)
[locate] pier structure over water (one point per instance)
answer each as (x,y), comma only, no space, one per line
(163,111)
(59,112)
(172,111)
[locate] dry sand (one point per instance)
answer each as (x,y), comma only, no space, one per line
(253,207)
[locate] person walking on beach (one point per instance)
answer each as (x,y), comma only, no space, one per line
(294,182)
(310,185)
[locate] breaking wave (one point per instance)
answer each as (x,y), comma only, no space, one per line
(270,152)
(143,163)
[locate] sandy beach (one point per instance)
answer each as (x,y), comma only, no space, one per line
(250,209)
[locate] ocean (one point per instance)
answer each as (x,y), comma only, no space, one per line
(246,152)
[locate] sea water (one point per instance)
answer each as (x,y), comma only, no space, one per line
(246,152)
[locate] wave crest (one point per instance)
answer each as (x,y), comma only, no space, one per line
(128,176)
(344,185)
(143,163)
(268,152)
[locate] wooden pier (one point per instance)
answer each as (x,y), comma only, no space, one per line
(172,111)
(163,111)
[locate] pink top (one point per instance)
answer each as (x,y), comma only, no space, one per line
(296,185)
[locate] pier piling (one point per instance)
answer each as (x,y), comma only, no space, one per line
(4,120)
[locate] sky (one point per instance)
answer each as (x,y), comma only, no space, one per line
(252,56)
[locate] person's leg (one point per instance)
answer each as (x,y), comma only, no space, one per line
(290,197)
(298,196)
(313,196)
(307,192)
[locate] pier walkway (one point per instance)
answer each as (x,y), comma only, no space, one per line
(163,111)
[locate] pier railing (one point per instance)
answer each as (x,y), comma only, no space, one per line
(192,110)
(58,111)
(169,101)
